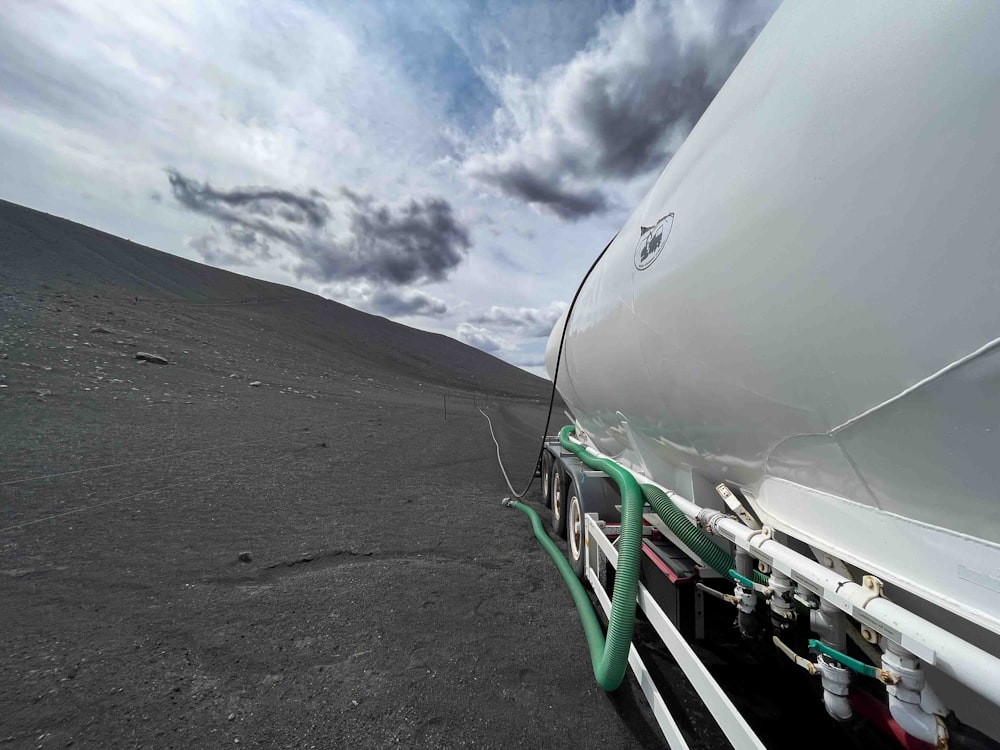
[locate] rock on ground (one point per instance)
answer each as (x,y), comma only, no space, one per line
(156,359)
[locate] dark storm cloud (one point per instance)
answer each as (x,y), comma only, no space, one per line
(414,243)
(618,108)
(417,242)
(246,205)
(518,181)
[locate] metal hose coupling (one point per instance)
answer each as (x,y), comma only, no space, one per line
(507,502)
(708,518)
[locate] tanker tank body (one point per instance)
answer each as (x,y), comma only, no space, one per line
(806,304)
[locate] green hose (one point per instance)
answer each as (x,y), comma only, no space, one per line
(717,558)
(614,659)
(609,655)
(608,672)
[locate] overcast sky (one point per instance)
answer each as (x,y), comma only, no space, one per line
(455,166)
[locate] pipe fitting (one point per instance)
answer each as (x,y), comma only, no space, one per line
(912,702)
(909,677)
(746,599)
(836,688)
(744,566)
(920,725)
(709,518)
(747,622)
(782,595)
(830,624)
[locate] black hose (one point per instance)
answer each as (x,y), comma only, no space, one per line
(555,376)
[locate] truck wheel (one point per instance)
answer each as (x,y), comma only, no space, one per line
(575,530)
(546,479)
(557,518)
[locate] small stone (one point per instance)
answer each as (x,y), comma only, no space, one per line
(231,717)
(245,557)
(254,383)
(99,329)
(154,358)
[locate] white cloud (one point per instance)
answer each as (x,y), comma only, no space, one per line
(619,108)
(388,300)
(530,322)
(482,338)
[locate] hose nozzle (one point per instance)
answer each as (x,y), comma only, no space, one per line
(507,502)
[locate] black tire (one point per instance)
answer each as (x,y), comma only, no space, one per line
(557,516)
(546,479)
(576,547)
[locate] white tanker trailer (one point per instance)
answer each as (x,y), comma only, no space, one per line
(795,338)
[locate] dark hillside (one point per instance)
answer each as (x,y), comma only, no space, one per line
(39,249)
(289,535)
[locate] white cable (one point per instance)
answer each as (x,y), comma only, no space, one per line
(500,459)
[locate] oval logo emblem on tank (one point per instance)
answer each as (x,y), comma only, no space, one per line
(651,242)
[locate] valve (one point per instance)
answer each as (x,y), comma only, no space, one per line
(836,688)
(746,592)
(912,702)
(782,601)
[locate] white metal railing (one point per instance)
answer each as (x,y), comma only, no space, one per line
(732,723)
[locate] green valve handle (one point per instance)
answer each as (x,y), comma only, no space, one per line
(741,580)
(853,664)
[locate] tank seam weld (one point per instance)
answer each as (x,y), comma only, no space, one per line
(919,384)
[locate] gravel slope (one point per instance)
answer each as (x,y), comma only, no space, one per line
(387,598)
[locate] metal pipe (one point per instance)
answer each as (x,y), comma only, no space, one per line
(830,623)
(746,620)
(782,602)
(912,702)
(969,664)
